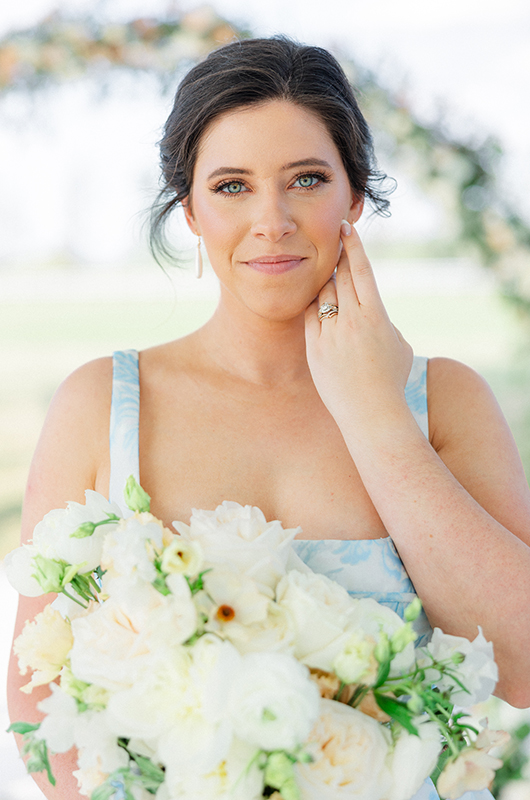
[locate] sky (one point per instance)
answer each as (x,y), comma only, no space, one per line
(466,61)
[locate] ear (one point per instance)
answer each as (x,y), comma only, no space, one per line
(356,209)
(188,213)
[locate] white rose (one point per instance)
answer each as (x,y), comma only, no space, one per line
(239,536)
(97,745)
(52,536)
(472,770)
(478,671)
(234,778)
(43,646)
(59,724)
(274,702)
(413,759)
(19,571)
(349,751)
(320,611)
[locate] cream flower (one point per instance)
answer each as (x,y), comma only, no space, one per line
(349,751)
(58,726)
(236,598)
(240,536)
(373,619)
(356,663)
(43,646)
(472,770)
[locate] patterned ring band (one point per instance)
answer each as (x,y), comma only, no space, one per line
(327,310)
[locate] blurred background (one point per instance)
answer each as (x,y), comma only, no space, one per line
(85,88)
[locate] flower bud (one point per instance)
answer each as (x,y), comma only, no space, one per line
(402,638)
(382,649)
(135,497)
(413,610)
(84,530)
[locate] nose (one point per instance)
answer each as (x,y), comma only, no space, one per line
(272,218)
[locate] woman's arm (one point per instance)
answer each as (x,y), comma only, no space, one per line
(458,509)
(71,456)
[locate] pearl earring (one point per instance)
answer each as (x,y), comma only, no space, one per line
(198,259)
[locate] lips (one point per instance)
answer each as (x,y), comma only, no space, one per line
(275,265)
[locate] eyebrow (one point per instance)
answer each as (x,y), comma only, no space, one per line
(304,162)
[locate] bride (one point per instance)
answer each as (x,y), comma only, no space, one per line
(299,396)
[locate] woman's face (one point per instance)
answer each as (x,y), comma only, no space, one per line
(268,196)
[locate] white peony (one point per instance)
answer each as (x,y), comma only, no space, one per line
(59,724)
(97,744)
(43,646)
(241,537)
(114,644)
(274,702)
(129,549)
(19,571)
(478,671)
(349,751)
(53,538)
(201,733)
(320,611)
(234,778)
(151,705)
(413,759)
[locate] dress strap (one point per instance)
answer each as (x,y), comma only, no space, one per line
(416,393)
(124,424)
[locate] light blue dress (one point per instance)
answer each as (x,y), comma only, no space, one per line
(366,568)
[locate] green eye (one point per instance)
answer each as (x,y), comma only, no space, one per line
(306,181)
(233,188)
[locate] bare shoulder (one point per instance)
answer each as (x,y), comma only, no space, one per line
(72,451)
(470,434)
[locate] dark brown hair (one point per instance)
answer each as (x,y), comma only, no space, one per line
(256,71)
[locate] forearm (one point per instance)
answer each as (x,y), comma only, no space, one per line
(467,568)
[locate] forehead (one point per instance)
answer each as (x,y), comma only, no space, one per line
(266,134)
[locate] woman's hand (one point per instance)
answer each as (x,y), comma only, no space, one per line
(359,361)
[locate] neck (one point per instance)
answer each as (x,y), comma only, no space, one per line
(260,351)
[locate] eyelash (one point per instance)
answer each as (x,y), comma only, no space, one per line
(322,177)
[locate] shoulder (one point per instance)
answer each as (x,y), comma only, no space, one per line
(457,396)
(72,453)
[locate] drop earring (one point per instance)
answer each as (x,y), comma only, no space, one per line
(198,259)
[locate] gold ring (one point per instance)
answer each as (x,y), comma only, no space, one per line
(327,310)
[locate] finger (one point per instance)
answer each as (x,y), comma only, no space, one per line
(328,293)
(361,270)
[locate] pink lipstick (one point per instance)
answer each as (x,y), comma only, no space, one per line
(275,265)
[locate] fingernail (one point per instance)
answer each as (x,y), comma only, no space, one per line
(345,227)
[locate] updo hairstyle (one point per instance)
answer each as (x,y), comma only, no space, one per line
(255,71)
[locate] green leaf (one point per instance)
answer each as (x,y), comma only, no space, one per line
(23,727)
(38,760)
(383,673)
(397,711)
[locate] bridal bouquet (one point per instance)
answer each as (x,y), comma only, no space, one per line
(212,664)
